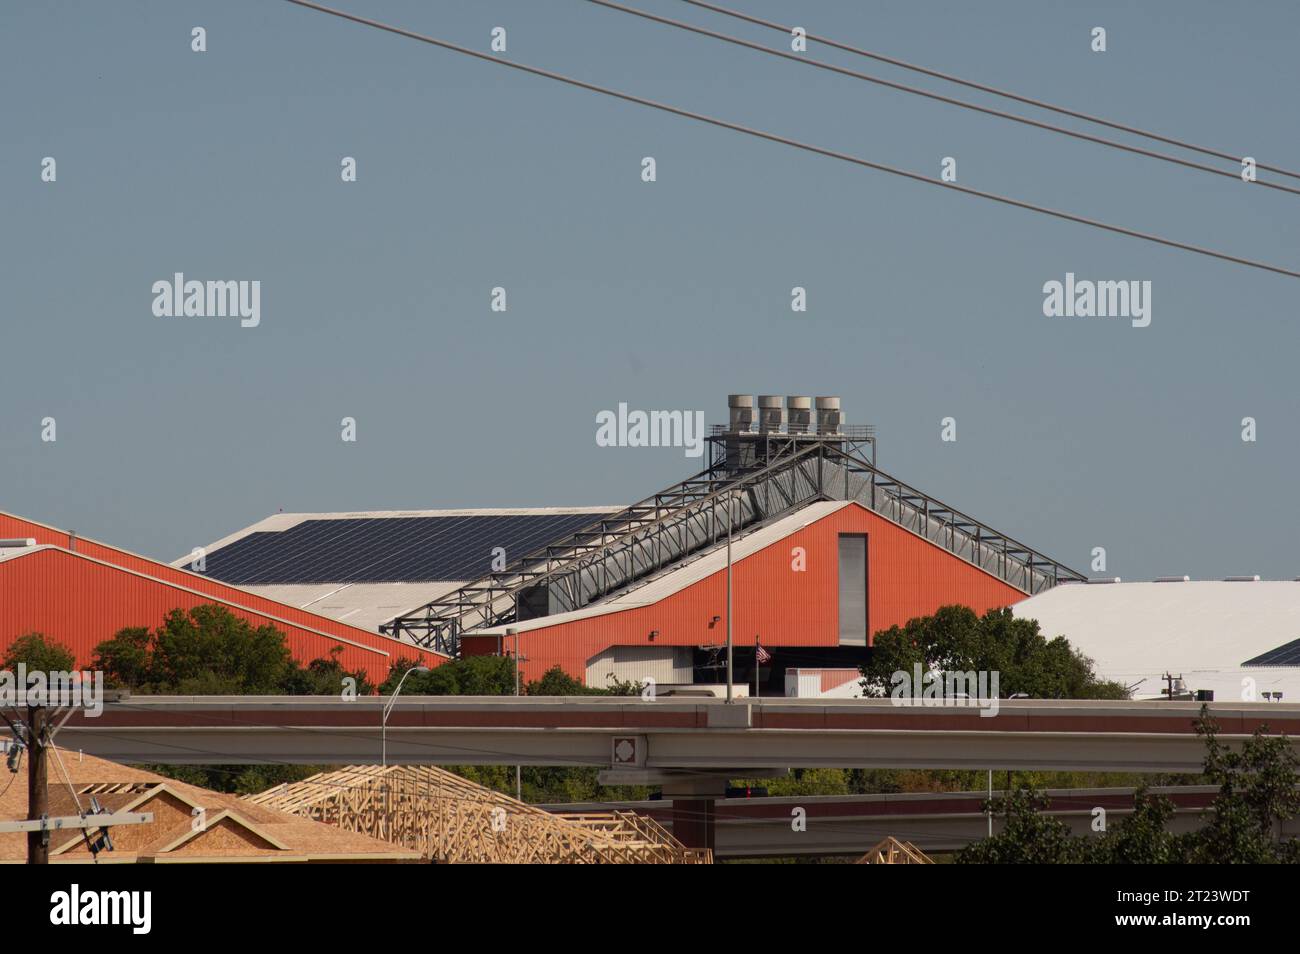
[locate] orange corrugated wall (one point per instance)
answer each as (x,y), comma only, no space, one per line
(907,576)
(80,603)
(17,527)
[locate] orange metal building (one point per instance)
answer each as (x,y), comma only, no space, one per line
(80,592)
(786,591)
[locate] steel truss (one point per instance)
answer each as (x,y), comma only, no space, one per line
(765,476)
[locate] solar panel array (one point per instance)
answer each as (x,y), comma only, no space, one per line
(1288,654)
(388,549)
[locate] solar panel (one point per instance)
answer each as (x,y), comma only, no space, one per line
(388,549)
(1288,654)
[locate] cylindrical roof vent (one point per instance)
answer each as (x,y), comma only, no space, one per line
(828,415)
(741,408)
(800,414)
(771,413)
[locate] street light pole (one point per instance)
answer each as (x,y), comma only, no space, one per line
(519,773)
(730,657)
(990,803)
(383,726)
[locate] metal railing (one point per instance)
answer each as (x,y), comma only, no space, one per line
(850,432)
(624,549)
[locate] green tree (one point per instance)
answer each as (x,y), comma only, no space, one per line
(1027,836)
(38,654)
(492,676)
(1140,839)
(126,658)
(467,676)
(208,650)
(623,687)
(955,639)
(1257,794)
(805,782)
(551,784)
(556,682)
(237,779)
(324,677)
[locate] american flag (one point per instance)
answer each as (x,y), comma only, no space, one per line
(761,654)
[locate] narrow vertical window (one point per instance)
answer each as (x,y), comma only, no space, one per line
(853,589)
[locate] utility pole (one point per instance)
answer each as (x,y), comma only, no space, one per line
(38,796)
(36,738)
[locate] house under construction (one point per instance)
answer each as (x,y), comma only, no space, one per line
(451,820)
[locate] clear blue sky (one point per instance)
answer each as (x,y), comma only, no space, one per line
(375,295)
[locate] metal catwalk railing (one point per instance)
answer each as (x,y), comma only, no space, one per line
(690,518)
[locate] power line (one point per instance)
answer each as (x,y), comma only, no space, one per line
(807,147)
(985,88)
(916,91)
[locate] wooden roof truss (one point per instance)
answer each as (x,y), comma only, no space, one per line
(450,819)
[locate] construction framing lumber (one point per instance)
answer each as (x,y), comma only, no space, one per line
(451,820)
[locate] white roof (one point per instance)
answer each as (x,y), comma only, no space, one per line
(366,605)
(9,553)
(1136,632)
(690,571)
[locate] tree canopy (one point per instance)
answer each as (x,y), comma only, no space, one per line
(1257,794)
(466,676)
(955,639)
(208,650)
(38,654)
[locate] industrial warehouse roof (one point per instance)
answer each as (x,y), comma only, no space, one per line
(233,829)
(366,567)
(687,573)
(387,546)
(366,605)
(1213,633)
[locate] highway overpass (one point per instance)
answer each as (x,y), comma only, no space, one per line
(670,735)
(934,822)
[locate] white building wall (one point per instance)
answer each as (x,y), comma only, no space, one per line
(664,664)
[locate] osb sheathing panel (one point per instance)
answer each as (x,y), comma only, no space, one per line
(118,786)
(226,837)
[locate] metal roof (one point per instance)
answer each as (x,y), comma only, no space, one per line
(689,572)
(384,546)
(366,605)
(1137,632)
